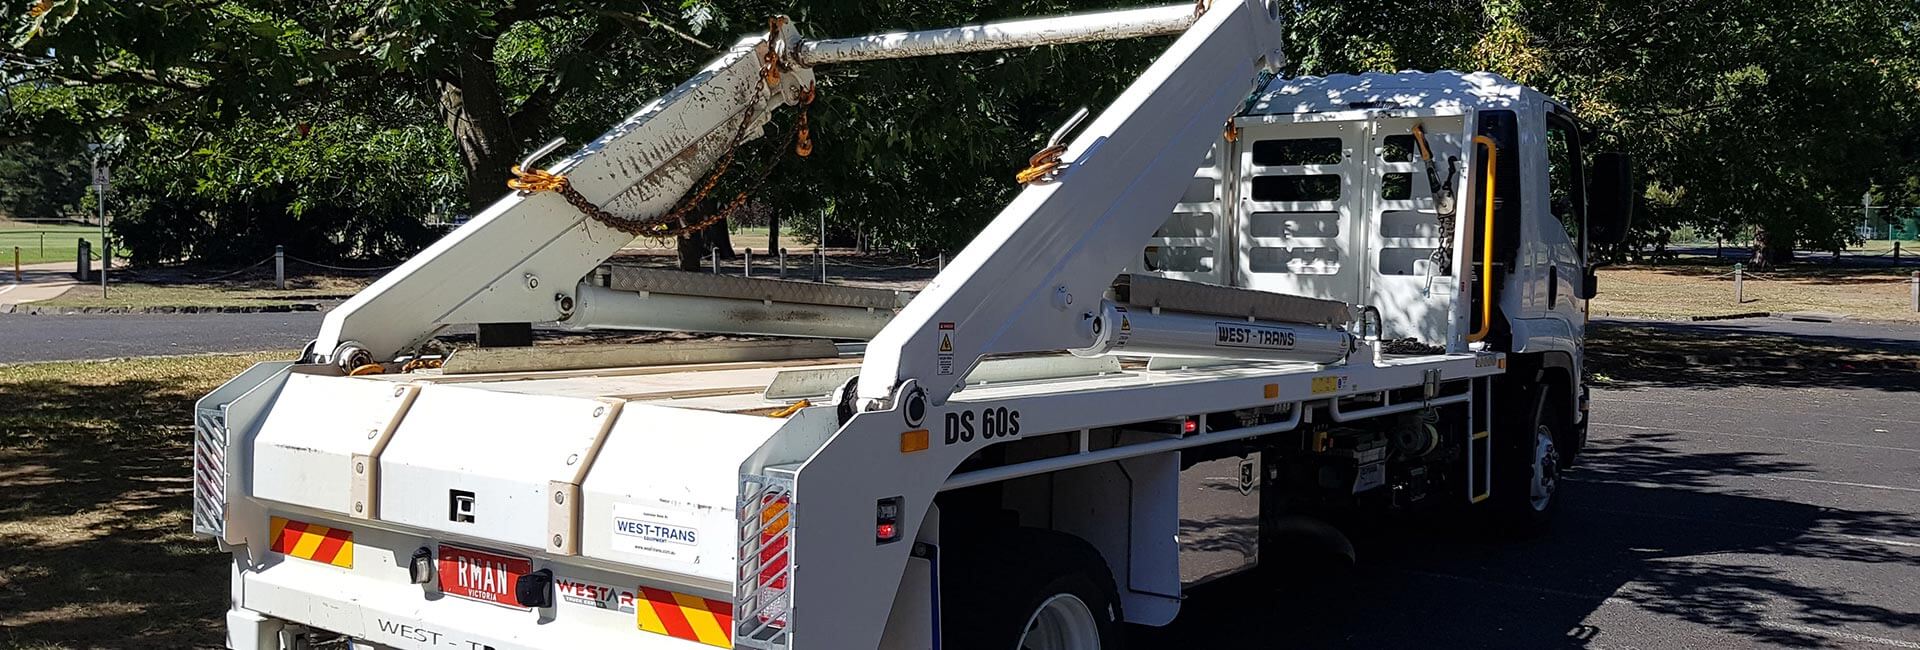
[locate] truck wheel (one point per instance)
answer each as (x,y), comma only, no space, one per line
(1527,473)
(1042,590)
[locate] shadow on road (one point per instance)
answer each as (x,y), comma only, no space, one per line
(1639,530)
(1627,355)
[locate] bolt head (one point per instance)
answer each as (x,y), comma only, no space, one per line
(360,468)
(559,497)
(599,411)
(556,541)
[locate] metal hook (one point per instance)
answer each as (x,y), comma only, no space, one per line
(542,152)
(1072,122)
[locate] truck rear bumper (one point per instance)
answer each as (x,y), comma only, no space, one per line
(399,614)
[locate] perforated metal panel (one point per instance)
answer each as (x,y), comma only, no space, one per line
(1299,194)
(210,472)
(1193,245)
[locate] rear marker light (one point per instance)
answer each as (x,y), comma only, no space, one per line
(420,568)
(535,589)
(912,441)
(1190,425)
(886,529)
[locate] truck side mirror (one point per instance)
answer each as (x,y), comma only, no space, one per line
(1610,208)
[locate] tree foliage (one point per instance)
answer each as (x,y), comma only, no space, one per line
(1739,113)
(335,127)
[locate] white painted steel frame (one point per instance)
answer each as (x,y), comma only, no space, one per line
(1056,30)
(1037,271)
(519,260)
(842,582)
(515,259)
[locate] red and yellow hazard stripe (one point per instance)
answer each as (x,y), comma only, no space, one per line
(312,542)
(687,617)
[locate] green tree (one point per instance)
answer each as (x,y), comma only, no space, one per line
(1740,113)
(43,179)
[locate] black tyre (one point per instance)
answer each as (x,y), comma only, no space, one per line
(1528,463)
(1029,589)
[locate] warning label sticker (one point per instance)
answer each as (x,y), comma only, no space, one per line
(946,348)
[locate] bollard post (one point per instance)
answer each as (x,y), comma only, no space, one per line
(279,267)
(783,263)
(43,245)
(748,269)
(1740,284)
(1915,281)
(84,270)
(940,263)
(16,264)
(1896,252)
(715,252)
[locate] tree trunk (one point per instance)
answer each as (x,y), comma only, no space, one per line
(720,239)
(1769,251)
(773,232)
(691,249)
(477,115)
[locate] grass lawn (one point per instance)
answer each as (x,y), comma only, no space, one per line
(1682,290)
(231,293)
(44,242)
(95,526)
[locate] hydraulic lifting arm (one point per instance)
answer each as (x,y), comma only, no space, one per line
(519,260)
(1034,279)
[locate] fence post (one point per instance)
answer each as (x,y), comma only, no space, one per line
(940,263)
(43,245)
(279,267)
(783,263)
(1896,252)
(1739,284)
(748,272)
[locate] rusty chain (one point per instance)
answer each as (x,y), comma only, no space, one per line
(676,222)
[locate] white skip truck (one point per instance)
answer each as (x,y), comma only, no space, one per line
(1231,303)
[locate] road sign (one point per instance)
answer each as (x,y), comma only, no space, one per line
(102,178)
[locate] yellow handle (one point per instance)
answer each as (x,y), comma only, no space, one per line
(1486,247)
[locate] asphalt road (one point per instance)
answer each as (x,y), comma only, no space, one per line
(89,336)
(1713,510)
(1709,512)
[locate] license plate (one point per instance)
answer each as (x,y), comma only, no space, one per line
(480,575)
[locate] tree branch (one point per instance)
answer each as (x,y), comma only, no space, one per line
(171,103)
(649,21)
(558,83)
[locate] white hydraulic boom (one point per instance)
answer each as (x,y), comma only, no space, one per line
(518,260)
(1032,281)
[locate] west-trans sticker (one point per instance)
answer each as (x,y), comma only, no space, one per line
(1246,335)
(659,532)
